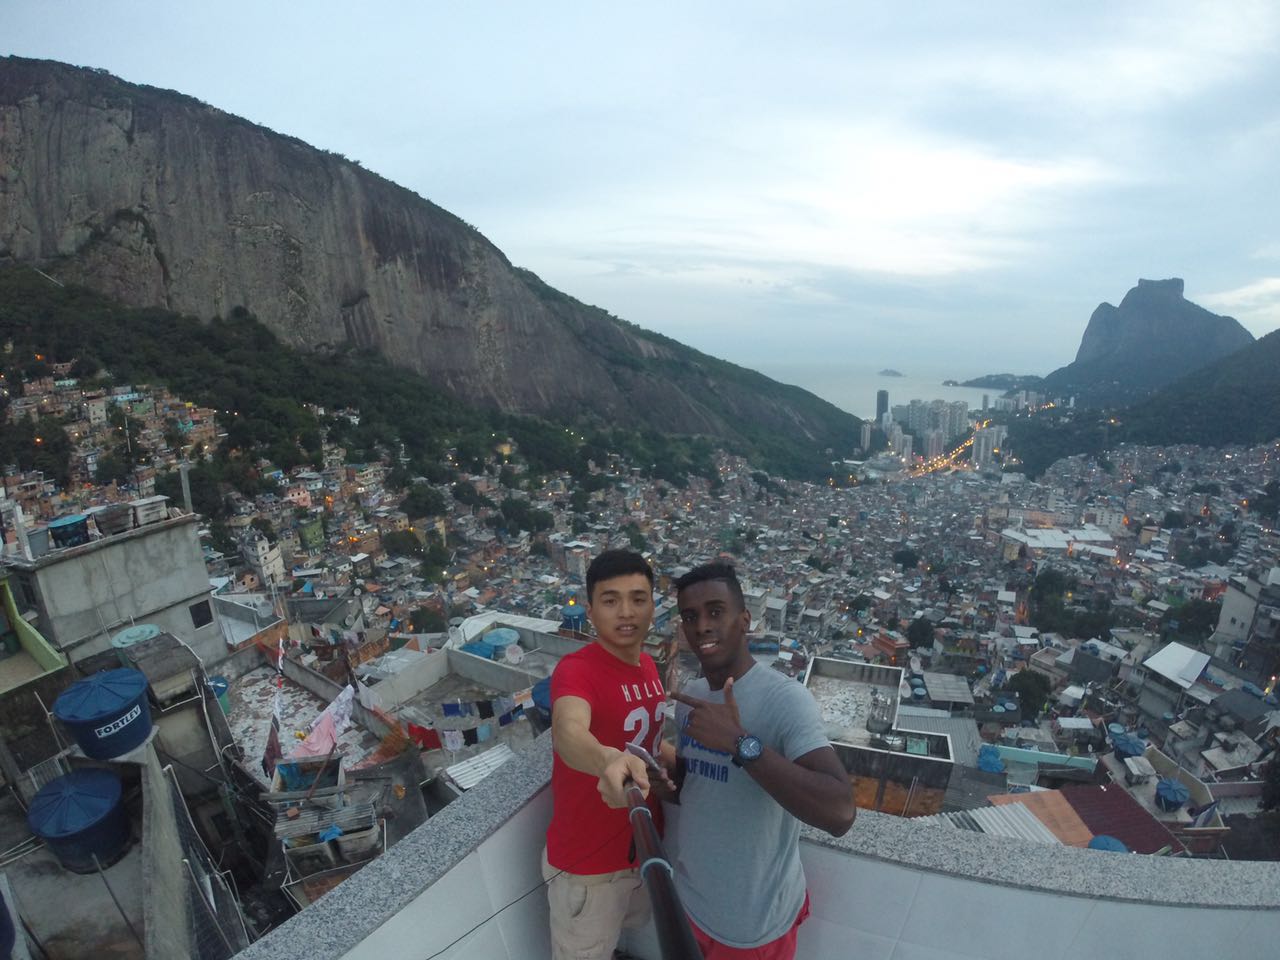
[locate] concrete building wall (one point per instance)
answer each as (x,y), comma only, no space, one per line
(152,574)
(1238,608)
(487,673)
(183,737)
(166,917)
(890,888)
(388,694)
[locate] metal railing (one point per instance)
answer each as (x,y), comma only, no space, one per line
(675,934)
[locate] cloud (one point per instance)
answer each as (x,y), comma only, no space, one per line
(1123,61)
(815,196)
(1256,304)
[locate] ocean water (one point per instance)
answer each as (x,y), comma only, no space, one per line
(853,388)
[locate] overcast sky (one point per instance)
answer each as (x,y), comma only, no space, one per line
(941,186)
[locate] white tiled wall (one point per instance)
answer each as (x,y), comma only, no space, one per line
(497,889)
(862,909)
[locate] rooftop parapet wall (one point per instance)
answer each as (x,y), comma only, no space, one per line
(388,900)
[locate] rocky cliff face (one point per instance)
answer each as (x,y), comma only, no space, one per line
(1153,338)
(154,198)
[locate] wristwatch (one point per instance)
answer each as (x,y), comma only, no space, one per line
(748,748)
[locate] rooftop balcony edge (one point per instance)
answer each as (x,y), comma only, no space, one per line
(353,911)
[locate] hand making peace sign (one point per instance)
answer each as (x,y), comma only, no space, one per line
(714,725)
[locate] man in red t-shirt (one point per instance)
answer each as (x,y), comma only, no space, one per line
(602,697)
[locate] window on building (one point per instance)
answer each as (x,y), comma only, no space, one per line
(201,614)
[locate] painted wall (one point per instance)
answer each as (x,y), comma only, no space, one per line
(151,574)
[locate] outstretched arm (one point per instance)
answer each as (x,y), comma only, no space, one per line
(578,747)
(813,788)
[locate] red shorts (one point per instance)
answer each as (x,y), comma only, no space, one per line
(784,948)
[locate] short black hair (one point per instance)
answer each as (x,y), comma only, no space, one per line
(616,563)
(717,570)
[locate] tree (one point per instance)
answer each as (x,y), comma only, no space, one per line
(1271,784)
(401,542)
(1196,620)
(1032,689)
(920,633)
(426,620)
(423,501)
(906,558)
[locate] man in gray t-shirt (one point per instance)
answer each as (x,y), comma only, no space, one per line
(754,761)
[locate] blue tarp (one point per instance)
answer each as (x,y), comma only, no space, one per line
(989,759)
(1107,842)
(1171,794)
(1128,745)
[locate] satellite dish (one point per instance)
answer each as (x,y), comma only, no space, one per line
(514,653)
(348,620)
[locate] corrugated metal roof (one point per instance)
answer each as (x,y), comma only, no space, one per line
(1111,810)
(963,731)
(470,772)
(947,687)
(1010,820)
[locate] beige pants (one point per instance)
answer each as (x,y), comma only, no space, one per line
(589,912)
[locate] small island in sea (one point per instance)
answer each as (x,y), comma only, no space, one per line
(1005,381)
(889,372)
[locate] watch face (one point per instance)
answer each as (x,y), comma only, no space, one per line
(750,748)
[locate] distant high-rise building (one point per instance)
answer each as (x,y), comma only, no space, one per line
(882,403)
(904,447)
(986,401)
(933,444)
(866,434)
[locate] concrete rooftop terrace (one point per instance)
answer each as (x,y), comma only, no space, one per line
(889,890)
(252,697)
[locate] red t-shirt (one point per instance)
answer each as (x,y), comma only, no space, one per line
(627,706)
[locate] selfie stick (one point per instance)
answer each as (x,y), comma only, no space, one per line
(675,935)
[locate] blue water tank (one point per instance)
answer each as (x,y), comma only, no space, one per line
(107,713)
(918,693)
(80,816)
(131,635)
(542,695)
(501,638)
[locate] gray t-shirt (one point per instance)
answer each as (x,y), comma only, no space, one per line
(738,862)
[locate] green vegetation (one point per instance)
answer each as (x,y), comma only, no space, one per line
(1271,785)
(1055,608)
(1190,623)
(1032,689)
(771,443)
(262,391)
(920,633)
(1235,400)
(906,558)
